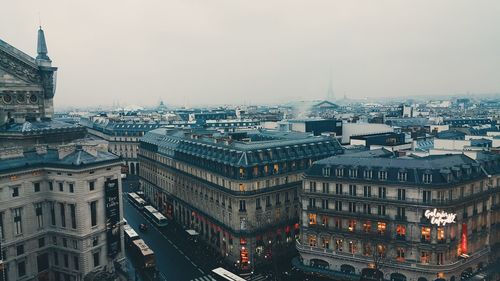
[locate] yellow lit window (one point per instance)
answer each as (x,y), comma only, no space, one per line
(275,168)
(325,242)
(338,244)
(242,187)
(425,257)
(312,240)
(367,226)
(312,219)
(381,226)
(426,233)
(440,234)
(381,250)
(352,225)
(400,231)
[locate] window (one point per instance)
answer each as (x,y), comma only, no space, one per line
(324,220)
(56,258)
(326,172)
(339,172)
(324,204)
(400,231)
(352,247)
(381,192)
(277,199)
(325,187)
(95,241)
(20,249)
(352,190)
(425,235)
(61,186)
(65,242)
(54,240)
(351,226)
(402,176)
(440,234)
(425,257)
(381,210)
(93,213)
(51,186)
(367,209)
(96,259)
(312,219)
(338,223)
(400,254)
(338,205)
(401,194)
(312,186)
(427,178)
(325,242)
(338,244)
(42,262)
(36,187)
(367,249)
(312,240)
(39,214)
(243,206)
(382,175)
(381,227)
(52,213)
(401,213)
(72,210)
(367,191)
(63,214)
(2,233)
(426,196)
(268,201)
(91,185)
(312,202)
(338,188)
(66,260)
(352,207)
(368,174)
(21,268)
(381,249)
(15,191)
(353,173)
(367,227)
(41,242)
(18,223)
(257,204)
(71,188)
(440,258)
(76,263)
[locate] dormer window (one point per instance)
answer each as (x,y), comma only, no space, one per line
(339,172)
(368,174)
(402,176)
(382,175)
(427,178)
(326,171)
(353,173)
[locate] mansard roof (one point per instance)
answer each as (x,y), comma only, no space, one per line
(257,147)
(444,169)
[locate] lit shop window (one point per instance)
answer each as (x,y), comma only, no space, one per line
(400,254)
(312,219)
(367,227)
(338,244)
(352,247)
(425,234)
(381,226)
(312,240)
(425,257)
(352,225)
(400,231)
(440,234)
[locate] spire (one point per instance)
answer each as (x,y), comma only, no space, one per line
(42,47)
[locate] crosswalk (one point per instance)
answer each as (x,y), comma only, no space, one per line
(204,278)
(257,277)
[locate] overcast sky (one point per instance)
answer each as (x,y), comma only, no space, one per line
(190,52)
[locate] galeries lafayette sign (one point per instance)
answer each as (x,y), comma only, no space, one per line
(440,217)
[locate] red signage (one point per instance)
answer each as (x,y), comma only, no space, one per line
(463,240)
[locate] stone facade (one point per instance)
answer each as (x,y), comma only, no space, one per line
(371,213)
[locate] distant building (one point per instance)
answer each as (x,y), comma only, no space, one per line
(314,126)
(240,190)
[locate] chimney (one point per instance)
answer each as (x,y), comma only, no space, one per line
(65,150)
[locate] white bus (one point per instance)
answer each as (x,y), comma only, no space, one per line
(136,200)
(130,235)
(143,255)
(156,217)
(220,274)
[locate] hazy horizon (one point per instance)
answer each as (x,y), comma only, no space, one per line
(230,52)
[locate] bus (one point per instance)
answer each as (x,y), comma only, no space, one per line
(143,255)
(130,235)
(136,200)
(220,274)
(156,217)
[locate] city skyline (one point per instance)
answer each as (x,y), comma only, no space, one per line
(225,53)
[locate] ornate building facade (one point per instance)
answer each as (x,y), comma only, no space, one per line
(55,219)
(412,218)
(238,190)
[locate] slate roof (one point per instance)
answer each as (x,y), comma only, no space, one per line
(264,146)
(459,167)
(77,159)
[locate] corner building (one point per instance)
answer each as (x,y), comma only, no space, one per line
(238,190)
(412,218)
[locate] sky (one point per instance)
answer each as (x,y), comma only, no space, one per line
(195,52)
